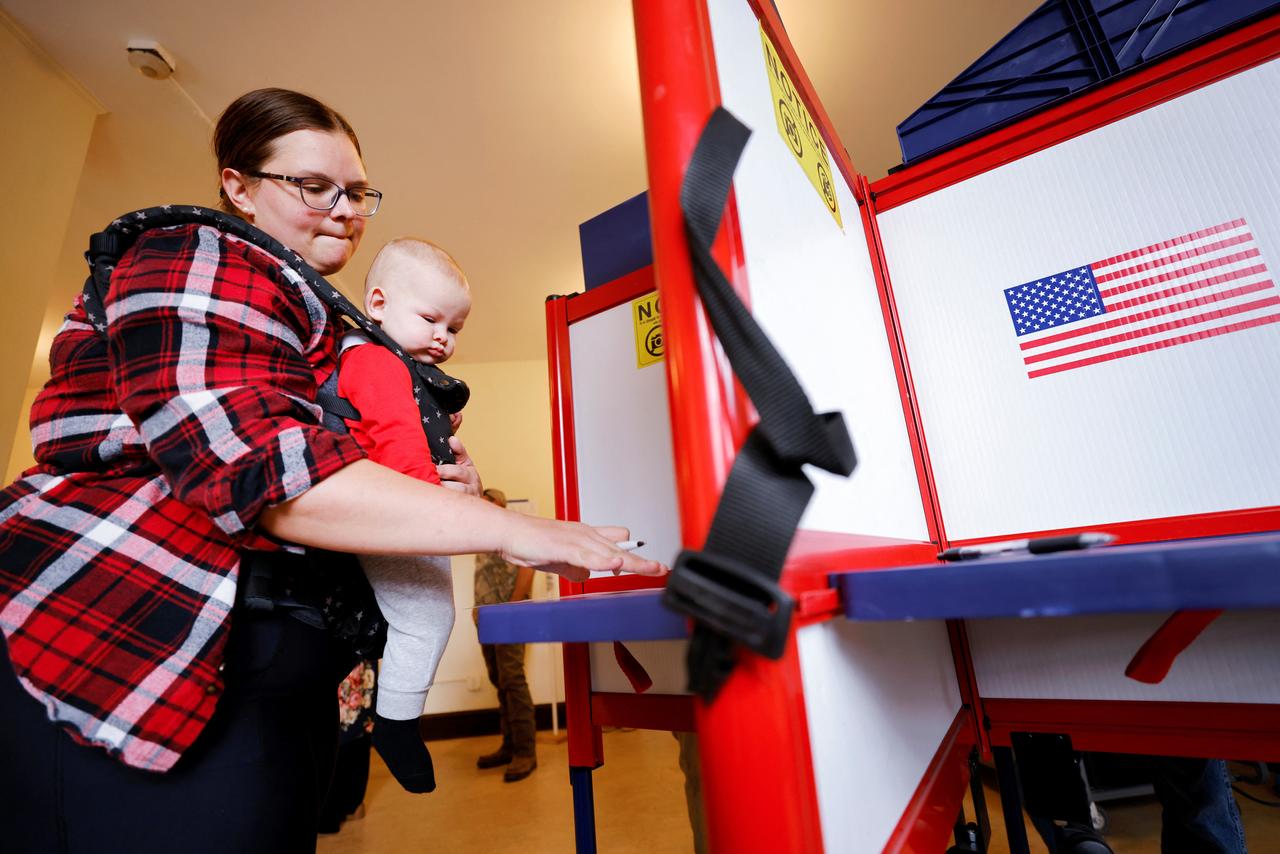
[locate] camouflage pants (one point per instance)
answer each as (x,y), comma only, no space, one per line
(505,662)
(692,768)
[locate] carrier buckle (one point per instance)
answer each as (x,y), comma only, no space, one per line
(731,598)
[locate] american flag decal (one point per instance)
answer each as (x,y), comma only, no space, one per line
(1200,285)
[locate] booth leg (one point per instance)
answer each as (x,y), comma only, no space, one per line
(973,836)
(1011,800)
(979,796)
(584,811)
(979,805)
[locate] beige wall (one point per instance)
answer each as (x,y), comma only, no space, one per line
(507,427)
(47,123)
(20,457)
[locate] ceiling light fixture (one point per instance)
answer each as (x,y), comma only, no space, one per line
(156,63)
(151,59)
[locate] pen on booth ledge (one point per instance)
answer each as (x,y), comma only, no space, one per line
(1036,546)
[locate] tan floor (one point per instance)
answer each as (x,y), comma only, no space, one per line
(639,795)
(639,807)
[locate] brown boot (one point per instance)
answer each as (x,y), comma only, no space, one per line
(501,756)
(520,767)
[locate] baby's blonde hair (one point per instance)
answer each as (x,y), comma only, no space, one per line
(391,258)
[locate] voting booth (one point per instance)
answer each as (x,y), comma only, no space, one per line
(1067,325)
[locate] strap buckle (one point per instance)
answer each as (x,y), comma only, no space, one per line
(731,598)
(102,243)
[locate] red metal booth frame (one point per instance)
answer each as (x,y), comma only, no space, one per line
(762,704)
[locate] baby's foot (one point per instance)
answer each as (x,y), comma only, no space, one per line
(400,746)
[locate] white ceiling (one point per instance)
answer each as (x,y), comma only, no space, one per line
(493,126)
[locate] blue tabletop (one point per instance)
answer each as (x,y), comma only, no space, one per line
(1218,572)
(630,615)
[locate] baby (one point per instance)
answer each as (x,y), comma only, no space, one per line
(419,296)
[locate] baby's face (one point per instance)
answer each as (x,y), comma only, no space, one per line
(423,313)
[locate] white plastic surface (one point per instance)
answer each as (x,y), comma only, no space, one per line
(1083,658)
(1184,430)
(880,699)
(814,293)
(623,435)
(662,660)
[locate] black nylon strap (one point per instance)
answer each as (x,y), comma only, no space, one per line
(107,246)
(730,586)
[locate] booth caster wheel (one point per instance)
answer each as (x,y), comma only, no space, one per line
(968,837)
(1101,821)
(1074,839)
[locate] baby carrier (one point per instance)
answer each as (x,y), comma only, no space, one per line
(321,588)
(434,391)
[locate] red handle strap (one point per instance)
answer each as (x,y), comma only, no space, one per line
(1152,662)
(639,678)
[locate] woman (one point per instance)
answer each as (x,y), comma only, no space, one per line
(183,449)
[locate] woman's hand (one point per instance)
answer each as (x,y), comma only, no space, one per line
(461,475)
(367,508)
(572,549)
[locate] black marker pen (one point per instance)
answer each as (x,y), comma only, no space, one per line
(1036,546)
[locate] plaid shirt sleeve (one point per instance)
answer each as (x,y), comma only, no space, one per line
(208,340)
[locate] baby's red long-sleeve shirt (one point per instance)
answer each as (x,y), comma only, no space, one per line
(389,430)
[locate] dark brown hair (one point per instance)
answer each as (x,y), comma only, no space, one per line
(245,136)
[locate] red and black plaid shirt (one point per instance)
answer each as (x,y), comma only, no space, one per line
(156,452)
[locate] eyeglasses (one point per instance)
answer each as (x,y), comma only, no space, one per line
(323,195)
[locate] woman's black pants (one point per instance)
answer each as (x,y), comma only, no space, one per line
(253,781)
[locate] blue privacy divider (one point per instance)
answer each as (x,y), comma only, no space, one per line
(1138,31)
(616,242)
(1065,46)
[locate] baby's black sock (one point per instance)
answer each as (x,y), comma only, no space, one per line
(400,745)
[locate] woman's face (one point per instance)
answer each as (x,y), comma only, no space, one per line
(325,239)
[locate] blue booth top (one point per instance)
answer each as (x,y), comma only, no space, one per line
(1238,572)
(629,615)
(1213,572)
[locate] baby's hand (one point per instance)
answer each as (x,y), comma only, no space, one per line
(462,471)
(455,420)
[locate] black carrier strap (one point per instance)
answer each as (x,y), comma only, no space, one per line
(730,588)
(443,393)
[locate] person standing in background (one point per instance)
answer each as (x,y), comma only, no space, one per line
(499,581)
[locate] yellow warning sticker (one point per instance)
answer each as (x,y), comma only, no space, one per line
(798,129)
(647,318)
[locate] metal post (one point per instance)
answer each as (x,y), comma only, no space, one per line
(977,792)
(584,810)
(1011,800)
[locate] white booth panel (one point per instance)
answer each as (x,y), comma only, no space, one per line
(622,431)
(814,293)
(1143,432)
(1083,658)
(664,661)
(880,698)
